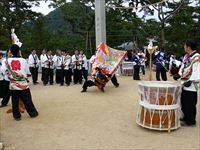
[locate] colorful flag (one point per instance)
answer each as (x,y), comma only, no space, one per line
(108,59)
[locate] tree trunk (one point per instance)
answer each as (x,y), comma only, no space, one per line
(162,42)
(86,43)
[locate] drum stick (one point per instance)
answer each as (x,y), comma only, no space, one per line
(162,65)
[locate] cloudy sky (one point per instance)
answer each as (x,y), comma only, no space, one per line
(43,8)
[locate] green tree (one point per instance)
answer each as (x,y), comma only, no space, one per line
(13,14)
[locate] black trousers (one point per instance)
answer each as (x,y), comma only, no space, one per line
(6,93)
(114,81)
(143,69)
(188,106)
(25,96)
(85,73)
(1,89)
(34,73)
(77,76)
(88,83)
(65,76)
(58,75)
(70,74)
(48,76)
(42,77)
(136,73)
(161,71)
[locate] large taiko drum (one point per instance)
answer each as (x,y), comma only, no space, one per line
(159,105)
(159,93)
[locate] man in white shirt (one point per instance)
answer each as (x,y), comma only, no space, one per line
(33,62)
(17,71)
(42,62)
(84,65)
(77,67)
(66,72)
(142,61)
(48,68)
(6,84)
(57,62)
(190,76)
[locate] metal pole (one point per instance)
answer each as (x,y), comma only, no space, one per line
(150,67)
(100,21)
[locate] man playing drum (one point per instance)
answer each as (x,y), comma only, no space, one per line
(190,76)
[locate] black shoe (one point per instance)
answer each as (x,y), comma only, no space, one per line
(83,91)
(17,119)
(185,124)
(117,85)
(35,115)
(35,83)
(1,106)
(182,119)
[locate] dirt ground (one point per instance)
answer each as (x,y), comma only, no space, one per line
(69,119)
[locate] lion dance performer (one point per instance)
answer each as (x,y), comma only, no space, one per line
(190,76)
(104,66)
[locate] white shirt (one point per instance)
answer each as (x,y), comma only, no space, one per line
(17,73)
(75,60)
(42,60)
(1,73)
(68,61)
(142,59)
(33,60)
(48,60)
(195,76)
(57,61)
(84,61)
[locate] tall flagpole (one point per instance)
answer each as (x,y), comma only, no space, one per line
(100,21)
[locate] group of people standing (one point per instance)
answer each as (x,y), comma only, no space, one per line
(65,67)
(161,64)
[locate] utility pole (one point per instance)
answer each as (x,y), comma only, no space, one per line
(100,21)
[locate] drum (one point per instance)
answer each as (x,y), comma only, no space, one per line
(159,105)
(174,67)
(158,119)
(160,93)
(127,68)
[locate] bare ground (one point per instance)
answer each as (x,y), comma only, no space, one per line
(94,120)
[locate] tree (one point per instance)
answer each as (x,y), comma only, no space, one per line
(182,26)
(165,10)
(13,14)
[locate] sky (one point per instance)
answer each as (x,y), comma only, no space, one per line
(43,8)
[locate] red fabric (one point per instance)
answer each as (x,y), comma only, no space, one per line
(15,65)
